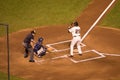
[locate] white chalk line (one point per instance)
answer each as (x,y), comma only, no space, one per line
(50,45)
(56,50)
(61,50)
(97,20)
(101,54)
(111,54)
(74,61)
(89,59)
(65,56)
(39,61)
(84,60)
(58,43)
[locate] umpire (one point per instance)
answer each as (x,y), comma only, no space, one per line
(28,44)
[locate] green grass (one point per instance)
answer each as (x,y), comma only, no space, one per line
(112,19)
(4,76)
(21,14)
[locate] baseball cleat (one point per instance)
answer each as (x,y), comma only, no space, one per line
(70,55)
(31,60)
(80,54)
(25,56)
(39,56)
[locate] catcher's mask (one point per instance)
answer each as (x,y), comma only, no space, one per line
(40,39)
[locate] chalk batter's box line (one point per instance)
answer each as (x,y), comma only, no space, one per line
(55,58)
(65,56)
(61,42)
(75,61)
(59,57)
(89,59)
(39,61)
(102,55)
(84,60)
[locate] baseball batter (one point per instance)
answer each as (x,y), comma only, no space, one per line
(75,30)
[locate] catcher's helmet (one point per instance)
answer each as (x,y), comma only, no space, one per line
(40,39)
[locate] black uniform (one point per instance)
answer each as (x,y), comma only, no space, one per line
(28,47)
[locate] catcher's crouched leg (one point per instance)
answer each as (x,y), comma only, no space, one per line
(42,52)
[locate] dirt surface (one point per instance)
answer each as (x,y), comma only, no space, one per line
(103,40)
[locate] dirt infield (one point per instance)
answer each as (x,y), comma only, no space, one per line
(101,51)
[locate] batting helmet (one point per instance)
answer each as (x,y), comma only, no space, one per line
(75,23)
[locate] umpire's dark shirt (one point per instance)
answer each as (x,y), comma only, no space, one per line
(28,38)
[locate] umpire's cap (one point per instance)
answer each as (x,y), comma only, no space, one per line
(40,39)
(33,32)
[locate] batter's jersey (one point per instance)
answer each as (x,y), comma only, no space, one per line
(75,31)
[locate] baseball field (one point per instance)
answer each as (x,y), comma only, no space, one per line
(99,22)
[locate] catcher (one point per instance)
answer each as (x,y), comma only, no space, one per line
(39,49)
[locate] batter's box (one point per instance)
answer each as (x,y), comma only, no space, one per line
(87,56)
(61,46)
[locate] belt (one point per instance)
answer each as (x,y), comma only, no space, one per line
(76,36)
